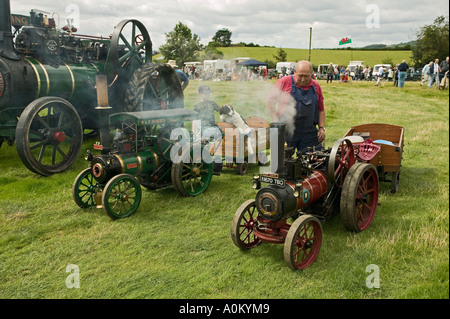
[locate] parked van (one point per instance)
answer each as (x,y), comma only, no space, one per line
(352,67)
(287,65)
(376,67)
(322,70)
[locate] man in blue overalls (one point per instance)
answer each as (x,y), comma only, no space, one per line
(300,105)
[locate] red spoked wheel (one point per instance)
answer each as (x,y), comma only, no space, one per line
(303,242)
(359,198)
(244,221)
(342,157)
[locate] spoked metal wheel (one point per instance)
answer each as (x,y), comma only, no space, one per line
(244,221)
(303,241)
(121,196)
(84,189)
(359,197)
(342,157)
(131,47)
(49,135)
(191,177)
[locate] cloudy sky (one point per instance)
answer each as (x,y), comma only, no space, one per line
(279,23)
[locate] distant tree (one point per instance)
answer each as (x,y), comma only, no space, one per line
(388,60)
(281,55)
(181,45)
(223,36)
(270,64)
(432,42)
(211,52)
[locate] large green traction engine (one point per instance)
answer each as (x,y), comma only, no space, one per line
(47,84)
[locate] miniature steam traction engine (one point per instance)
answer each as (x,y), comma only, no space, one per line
(309,188)
(149,148)
(47,83)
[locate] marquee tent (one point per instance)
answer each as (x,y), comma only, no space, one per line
(252,62)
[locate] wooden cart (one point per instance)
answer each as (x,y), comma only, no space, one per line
(235,152)
(390,138)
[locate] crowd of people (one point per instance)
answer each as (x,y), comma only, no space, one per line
(435,73)
(241,73)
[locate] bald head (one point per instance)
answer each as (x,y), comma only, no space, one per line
(304,65)
(303,72)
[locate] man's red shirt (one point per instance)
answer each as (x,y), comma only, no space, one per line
(285,85)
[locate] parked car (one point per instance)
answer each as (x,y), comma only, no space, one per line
(414,75)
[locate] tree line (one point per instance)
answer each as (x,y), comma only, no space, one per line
(182,45)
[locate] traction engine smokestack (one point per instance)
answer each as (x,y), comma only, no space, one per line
(103,109)
(277,139)
(6,37)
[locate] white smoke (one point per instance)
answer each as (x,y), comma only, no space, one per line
(285,106)
(289,115)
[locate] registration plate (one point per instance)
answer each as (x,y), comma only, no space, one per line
(272,180)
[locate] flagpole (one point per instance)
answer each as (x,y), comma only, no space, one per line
(351,52)
(351,49)
(310,35)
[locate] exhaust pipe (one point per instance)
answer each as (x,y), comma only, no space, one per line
(6,38)
(277,140)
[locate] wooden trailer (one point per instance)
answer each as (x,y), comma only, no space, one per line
(390,138)
(235,148)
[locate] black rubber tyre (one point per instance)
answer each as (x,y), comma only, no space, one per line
(49,135)
(359,198)
(153,87)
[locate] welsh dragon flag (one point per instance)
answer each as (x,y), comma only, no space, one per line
(345,40)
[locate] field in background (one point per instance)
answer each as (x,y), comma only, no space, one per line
(175,247)
(340,57)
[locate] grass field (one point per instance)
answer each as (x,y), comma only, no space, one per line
(175,247)
(340,57)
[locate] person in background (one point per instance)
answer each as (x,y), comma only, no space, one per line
(443,72)
(309,109)
(330,73)
(380,75)
(402,68)
(206,107)
(396,75)
(390,75)
(426,73)
(434,71)
(184,80)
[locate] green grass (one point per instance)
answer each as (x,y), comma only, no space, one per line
(175,247)
(340,57)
